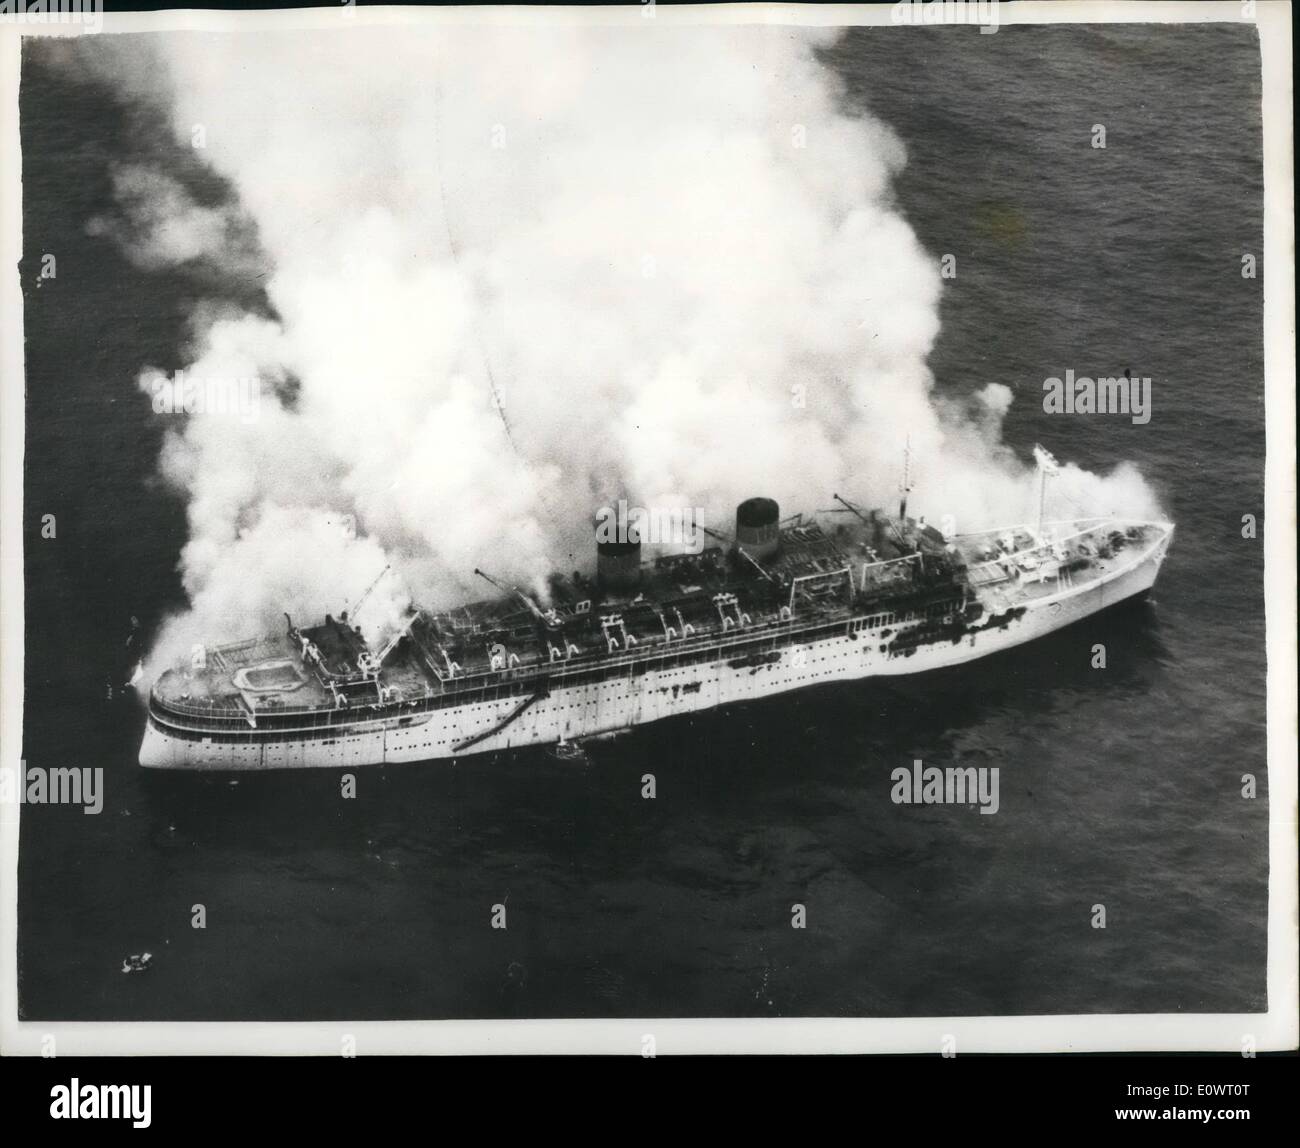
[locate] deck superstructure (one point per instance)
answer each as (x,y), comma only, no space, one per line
(788,603)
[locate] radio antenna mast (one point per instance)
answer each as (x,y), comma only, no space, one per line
(905,484)
(1047,468)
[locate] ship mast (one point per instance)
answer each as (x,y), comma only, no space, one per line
(905,483)
(1047,468)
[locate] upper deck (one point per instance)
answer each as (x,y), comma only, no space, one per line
(824,569)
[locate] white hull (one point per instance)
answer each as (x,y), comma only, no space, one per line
(621,702)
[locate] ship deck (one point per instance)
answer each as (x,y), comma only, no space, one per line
(684,601)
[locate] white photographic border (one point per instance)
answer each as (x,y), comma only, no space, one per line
(1274,1030)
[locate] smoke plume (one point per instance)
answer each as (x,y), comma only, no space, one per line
(518,274)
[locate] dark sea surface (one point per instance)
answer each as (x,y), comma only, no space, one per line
(1119,787)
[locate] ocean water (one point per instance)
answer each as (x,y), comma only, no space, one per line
(1119,787)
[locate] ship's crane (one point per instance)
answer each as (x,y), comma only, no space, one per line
(548,618)
(369,664)
(852,509)
(745,554)
(368,591)
(895,528)
(741,551)
(392,642)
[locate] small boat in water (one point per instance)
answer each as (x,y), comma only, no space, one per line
(564,750)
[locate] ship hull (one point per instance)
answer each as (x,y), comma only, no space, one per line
(858,650)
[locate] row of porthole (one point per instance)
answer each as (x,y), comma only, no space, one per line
(571,706)
(427,744)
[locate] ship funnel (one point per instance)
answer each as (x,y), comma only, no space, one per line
(618,565)
(758,529)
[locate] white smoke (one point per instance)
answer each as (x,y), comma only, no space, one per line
(670,256)
(158,224)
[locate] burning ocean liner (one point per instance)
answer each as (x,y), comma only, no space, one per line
(785,604)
